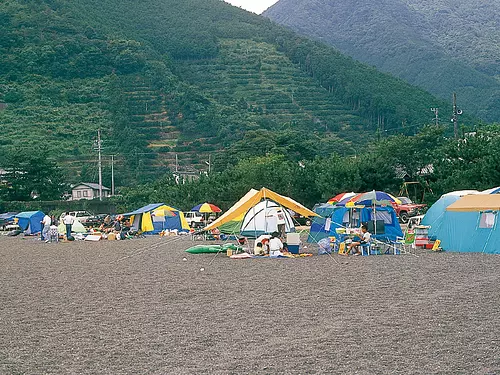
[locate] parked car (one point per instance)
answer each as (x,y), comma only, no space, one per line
(299,219)
(408,209)
(194,219)
(82,216)
(6,220)
(95,221)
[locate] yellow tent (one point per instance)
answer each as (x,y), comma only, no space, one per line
(156,217)
(252,198)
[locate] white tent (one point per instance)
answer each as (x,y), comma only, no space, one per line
(264,218)
(77,227)
(460,193)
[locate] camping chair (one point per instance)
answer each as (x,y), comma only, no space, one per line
(53,234)
(407,243)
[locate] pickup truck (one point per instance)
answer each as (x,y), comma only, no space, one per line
(408,209)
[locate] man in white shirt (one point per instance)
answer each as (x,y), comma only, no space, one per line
(68,221)
(365,239)
(275,245)
(46,226)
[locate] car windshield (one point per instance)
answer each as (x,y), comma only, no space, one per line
(405,200)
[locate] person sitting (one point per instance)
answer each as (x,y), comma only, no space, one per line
(117,226)
(363,240)
(260,249)
(215,233)
(275,246)
(265,245)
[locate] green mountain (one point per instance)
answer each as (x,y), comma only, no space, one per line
(193,79)
(441,46)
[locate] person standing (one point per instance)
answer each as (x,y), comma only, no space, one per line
(46,221)
(68,222)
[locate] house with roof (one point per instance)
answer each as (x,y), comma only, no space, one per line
(88,190)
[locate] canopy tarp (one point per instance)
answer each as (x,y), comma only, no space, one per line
(148,208)
(252,198)
(476,202)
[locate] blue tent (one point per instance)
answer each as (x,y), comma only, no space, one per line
(435,215)
(30,221)
(343,217)
(317,231)
(471,225)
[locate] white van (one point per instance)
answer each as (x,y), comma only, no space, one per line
(194,219)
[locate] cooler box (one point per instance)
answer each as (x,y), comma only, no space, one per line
(293,242)
(421,235)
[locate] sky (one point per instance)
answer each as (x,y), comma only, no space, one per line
(256,6)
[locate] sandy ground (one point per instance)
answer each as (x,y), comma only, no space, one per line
(135,307)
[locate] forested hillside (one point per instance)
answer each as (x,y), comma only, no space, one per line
(442,46)
(191,78)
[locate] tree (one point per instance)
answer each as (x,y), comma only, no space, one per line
(32,176)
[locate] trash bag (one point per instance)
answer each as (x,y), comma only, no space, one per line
(324,246)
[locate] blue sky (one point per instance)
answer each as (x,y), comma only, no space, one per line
(256,6)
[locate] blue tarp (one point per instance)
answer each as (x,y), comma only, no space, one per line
(30,221)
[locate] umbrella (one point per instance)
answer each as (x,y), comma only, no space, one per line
(371,198)
(206,208)
(339,197)
(374,198)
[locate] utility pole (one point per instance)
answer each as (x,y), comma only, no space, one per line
(176,164)
(436,115)
(209,163)
(456,112)
(100,162)
(112,174)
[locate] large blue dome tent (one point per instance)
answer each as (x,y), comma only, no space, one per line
(30,221)
(471,225)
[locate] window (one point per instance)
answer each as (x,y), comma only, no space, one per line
(385,216)
(487,220)
(78,194)
(85,193)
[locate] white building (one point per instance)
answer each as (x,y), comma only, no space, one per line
(88,190)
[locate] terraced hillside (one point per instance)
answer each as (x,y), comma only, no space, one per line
(262,80)
(159,85)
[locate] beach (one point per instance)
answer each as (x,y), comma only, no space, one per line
(137,307)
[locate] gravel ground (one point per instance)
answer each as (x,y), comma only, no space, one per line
(135,307)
